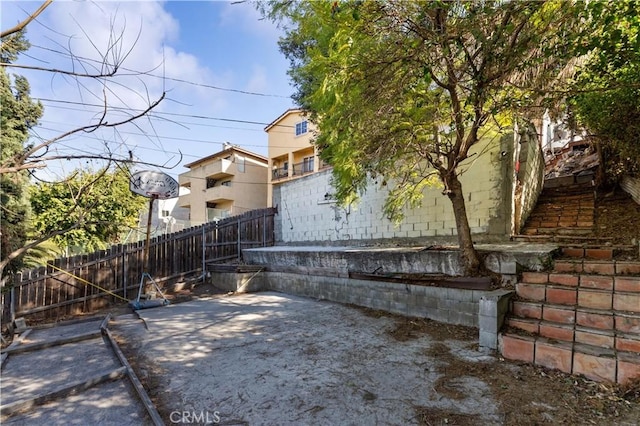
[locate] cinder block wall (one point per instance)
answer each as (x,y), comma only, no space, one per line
(631,185)
(529,177)
(447,305)
(307,214)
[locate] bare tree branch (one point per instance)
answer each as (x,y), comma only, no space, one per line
(59,71)
(27,21)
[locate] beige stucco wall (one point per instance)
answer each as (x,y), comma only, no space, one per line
(306,216)
(285,145)
(247,190)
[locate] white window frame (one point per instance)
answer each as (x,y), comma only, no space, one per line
(302,127)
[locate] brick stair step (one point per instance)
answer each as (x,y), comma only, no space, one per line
(525,310)
(627,322)
(596,363)
(626,302)
(583,266)
(594,337)
(528,325)
(628,342)
(563,240)
(595,299)
(557,331)
(555,294)
(628,366)
(599,319)
(593,267)
(569,232)
(590,253)
(628,283)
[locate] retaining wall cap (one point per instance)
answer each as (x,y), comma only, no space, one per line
(497,294)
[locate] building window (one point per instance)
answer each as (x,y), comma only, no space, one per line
(166,213)
(301,128)
(211,182)
(307,165)
(226,183)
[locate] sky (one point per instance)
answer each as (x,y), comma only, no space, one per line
(217,62)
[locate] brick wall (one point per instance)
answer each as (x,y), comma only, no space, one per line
(307,213)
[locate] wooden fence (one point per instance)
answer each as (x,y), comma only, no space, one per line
(84,283)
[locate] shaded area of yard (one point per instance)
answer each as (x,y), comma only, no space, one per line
(271,358)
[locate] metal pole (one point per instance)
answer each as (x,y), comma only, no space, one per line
(145,250)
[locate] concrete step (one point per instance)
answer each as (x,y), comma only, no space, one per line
(597,363)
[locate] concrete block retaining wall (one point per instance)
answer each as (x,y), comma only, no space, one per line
(631,185)
(474,308)
(239,282)
(529,177)
(308,213)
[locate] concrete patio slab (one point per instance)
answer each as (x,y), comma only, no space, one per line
(271,358)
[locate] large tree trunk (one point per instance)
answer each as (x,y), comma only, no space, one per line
(468,254)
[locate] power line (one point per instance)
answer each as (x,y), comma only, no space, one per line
(174,114)
(138,73)
(182,122)
(240,144)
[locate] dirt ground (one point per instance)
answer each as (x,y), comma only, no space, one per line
(525,394)
(617,217)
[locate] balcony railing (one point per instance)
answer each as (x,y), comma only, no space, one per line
(300,169)
(279,173)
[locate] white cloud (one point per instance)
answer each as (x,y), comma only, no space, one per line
(247,17)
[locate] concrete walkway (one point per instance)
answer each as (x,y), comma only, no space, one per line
(35,383)
(271,358)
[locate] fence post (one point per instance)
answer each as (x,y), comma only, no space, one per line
(204,252)
(264,228)
(125,282)
(12,301)
(239,251)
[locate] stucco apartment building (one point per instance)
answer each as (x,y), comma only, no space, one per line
(291,153)
(227,183)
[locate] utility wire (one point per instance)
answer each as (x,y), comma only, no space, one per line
(138,73)
(174,114)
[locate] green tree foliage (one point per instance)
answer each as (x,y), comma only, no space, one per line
(607,102)
(18,114)
(402,90)
(94,208)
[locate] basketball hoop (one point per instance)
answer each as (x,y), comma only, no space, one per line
(154,186)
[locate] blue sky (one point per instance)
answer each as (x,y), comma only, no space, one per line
(196,45)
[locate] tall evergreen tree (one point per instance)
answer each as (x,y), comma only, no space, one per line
(18,114)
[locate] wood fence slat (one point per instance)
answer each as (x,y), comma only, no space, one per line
(49,293)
